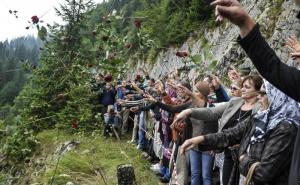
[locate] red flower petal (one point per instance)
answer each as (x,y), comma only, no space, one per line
(35,19)
(108,78)
(185,54)
(137,23)
(74,124)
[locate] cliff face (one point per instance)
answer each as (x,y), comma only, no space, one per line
(277,19)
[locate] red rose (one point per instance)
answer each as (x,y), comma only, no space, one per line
(185,54)
(182,54)
(35,19)
(137,23)
(74,124)
(108,78)
(138,77)
(179,54)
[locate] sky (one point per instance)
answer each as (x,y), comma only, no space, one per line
(12,27)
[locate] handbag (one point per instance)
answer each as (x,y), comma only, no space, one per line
(250,173)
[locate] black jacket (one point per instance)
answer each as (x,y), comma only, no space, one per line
(285,78)
(274,152)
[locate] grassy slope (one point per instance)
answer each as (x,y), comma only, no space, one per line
(80,165)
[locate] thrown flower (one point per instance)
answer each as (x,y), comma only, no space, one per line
(137,23)
(108,78)
(74,123)
(181,54)
(185,54)
(35,19)
(138,77)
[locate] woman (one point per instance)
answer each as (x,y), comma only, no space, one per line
(201,162)
(231,113)
(236,89)
(265,141)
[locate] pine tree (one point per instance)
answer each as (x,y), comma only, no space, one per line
(59,89)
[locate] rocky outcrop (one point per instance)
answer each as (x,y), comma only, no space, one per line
(277,19)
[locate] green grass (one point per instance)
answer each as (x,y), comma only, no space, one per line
(94,154)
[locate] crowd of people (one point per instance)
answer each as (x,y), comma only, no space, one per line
(245,130)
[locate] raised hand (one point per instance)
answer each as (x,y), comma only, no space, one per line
(191,143)
(159,86)
(134,109)
(150,98)
(185,90)
(121,102)
(216,82)
(295,55)
(181,117)
(293,44)
(233,11)
(234,76)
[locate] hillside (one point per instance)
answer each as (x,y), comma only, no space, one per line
(52,101)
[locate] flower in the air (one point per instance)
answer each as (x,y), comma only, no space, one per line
(108,78)
(185,54)
(138,77)
(35,19)
(74,123)
(181,54)
(137,23)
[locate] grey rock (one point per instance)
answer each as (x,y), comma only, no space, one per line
(222,40)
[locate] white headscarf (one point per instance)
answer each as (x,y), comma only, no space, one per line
(281,108)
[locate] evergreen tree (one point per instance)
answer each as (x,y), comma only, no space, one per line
(60,85)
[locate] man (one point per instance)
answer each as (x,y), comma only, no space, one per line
(107,98)
(285,78)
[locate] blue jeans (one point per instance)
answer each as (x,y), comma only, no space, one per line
(201,168)
(142,134)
